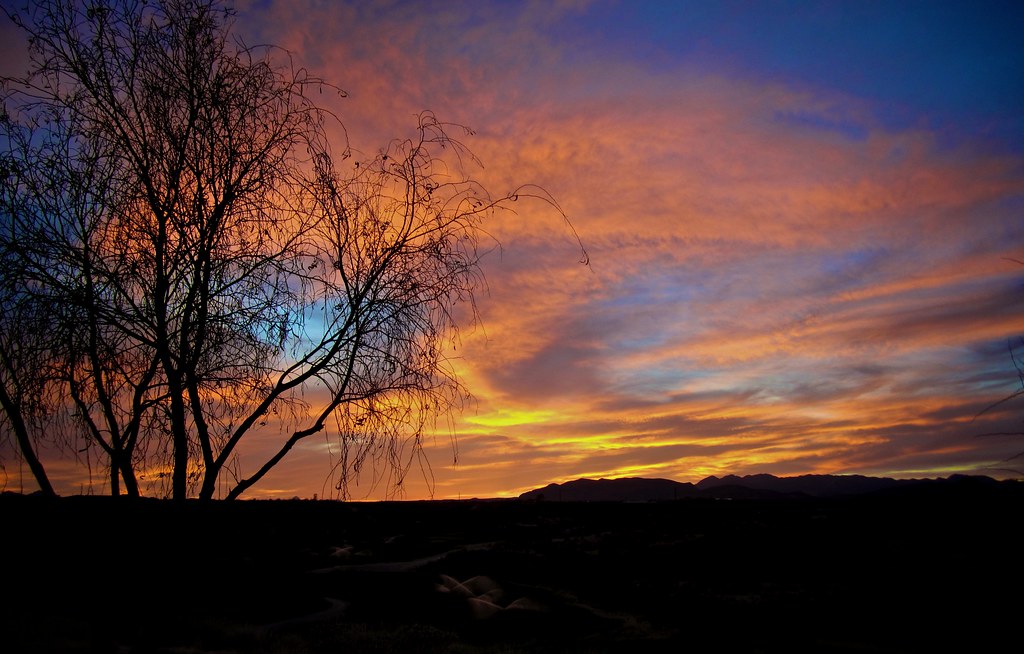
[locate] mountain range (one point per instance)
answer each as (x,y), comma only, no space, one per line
(762,486)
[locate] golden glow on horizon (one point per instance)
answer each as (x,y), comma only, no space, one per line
(511,417)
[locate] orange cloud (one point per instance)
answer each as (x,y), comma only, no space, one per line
(779,282)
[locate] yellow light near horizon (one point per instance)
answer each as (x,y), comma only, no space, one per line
(511,418)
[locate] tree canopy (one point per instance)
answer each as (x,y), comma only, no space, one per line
(185,264)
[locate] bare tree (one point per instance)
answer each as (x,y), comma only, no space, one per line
(59,188)
(23,355)
(216,273)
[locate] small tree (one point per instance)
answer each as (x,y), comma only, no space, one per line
(23,355)
(216,273)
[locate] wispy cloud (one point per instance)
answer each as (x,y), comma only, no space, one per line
(784,278)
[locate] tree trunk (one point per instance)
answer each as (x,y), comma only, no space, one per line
(179,434)
(25,443)
(131,484)
(179,428)
(121,468)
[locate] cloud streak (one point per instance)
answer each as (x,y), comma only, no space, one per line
(785,277)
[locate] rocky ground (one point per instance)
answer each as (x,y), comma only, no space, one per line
(874,574)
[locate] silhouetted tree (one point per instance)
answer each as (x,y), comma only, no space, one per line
(210,270)
(59,192)
(23,358)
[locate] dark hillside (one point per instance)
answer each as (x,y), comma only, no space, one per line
(631,489)
(894,573)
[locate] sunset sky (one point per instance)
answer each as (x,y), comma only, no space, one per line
(805,222)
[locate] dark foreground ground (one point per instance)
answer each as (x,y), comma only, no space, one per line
(875,574)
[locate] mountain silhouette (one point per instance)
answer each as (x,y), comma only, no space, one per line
(761,486)
(626,489)
(813,485)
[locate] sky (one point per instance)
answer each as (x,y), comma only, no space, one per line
(805,224)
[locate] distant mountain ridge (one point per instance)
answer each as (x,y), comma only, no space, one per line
(761,486)
(625,489)
(813,485)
